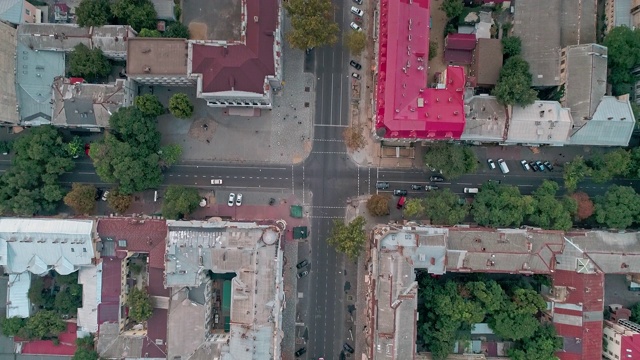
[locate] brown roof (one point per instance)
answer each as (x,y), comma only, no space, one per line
(241,67)
(487,61)
(152,56)
(145,236)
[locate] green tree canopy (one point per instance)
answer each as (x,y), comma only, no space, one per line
(550,212)
(149,105)
(179,201)
(93,13)
(35,292)
(11,326)
(413,207)
(85,349)
(442,207)
(81,198)
(139,303)
(452,8)
(356,42)
(118,202)
(452,159)
(513,325)
(378,205)
(541,346)
(501,206)
(177,30)
(66,302)
(574,172)
(45,323)
(150,33)
(618,208)
(623,56)
(170,155)
(609,165)
(140,14)
(514,83)
(635,314)
(180,106)
(348,239)
(129,124)
(312,23)
(88,63)
(511,46)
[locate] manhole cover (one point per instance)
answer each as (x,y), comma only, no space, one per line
(307,89)
(306,104)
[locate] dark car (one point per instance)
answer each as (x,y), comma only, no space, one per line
(301,352)
(436,178)
(348,348)
(548,165)
(382,185)
(99,193)
(302,264)
(359,2)
(355,65)
(303,274)
(416,187)
(399,192)
(534,166)
(540,165)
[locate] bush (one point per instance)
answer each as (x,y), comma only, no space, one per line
(180,106)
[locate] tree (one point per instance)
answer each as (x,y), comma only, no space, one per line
(45,323)
(634,166)
(514,83)
(93,13)
(511,46)
(433,49)
(140,14)
(574,172)
(356,42)
(586,208)
(452,159)
(85,349)
(150,33)
(177,30)
(170,155)
(139,303)
(635,314)
(623,52)
(312,23)
(413,207)
(348,239)
(443,208)
(501,206)
(618,208)
(514,325)
(66,302)
(452,8)
(88,63)
(82,198)
(75,147)
(149,105)
(549,212)
(611,164)
(118,202)
(541,346)
(35,292)
(378,205)
(179,201)
(180,106)
(11,326)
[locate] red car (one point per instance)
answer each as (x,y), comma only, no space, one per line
(87,147)
(401,202)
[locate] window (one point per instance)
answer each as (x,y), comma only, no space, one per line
(73,250)
(617,342)
(84,249)
(27,11)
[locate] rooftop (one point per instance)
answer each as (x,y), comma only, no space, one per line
(66,347)
(162,56)
(18,303)
(91,281)
(486,119)
(406,107)
(240,66)
(11,11)
(586,79)
(136,235)
(458,48)
(543,122)
(611,125)
(86,105)
(187,319)
(109,308)
(8,98)
(487,62)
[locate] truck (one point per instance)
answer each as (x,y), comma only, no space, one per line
(503,166)
(216,181)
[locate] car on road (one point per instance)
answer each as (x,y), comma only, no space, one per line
(381,185)
(301,352)
(303,274)
(348,348)
(534,166)
(239,200)
(105,195)
(492,165)
(398,192)
(416,187)
(355,65)
(216,181)
(540,165)
(356,76)
(232,199)
(548,165)
(471,190)
(302,264)
(99,193)
(436,178)
(355,26)
(401,202)
(356,11)
(203,202)
(430,187)
(359,2)
(525,165)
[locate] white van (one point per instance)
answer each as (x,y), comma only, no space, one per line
(471,190)
(356,11)
(503,166)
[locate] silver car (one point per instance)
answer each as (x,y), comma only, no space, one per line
(232,199)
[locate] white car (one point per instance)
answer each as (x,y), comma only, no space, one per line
(356,11)
(525,165)
(492,165)
(355,26)
(105,195)
(239,200)
(355,76)
(232,198)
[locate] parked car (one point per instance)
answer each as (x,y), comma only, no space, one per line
(398,192)
(525,165)
(301,352)
(303,274)
(239,200)
(381,185)
(302,264)
(359,2)
(401,202)
(355,65)
(492,165)
(416,187)
(357,11)
(232,199)
(436,178)
(348,348)
(548,165)
(99,193)
(105,195)
(540,165)
(356,75)
(534,166)
(355,26)
(503,166)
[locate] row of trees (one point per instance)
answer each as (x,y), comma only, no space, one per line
(448,311)
(44,324)
(602,167)
(312,23)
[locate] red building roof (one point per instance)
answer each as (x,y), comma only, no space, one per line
(460,41)
(66,347)
(109,308)
(143,236)
(241,67)
(406,108)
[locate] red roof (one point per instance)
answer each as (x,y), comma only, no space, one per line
(462,57)
(143,236)
(406,108)
(460,41)
(241,67)
(156,330)
(109,308)
(66,347)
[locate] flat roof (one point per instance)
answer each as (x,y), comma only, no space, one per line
(586,79)
(86,105)
(543,122)
(487,62)
(406,107)
(486,119)
(157,56)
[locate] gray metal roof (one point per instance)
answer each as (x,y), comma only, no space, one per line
(36,71)
(586,79)
(11,11)
(8,98)
(622,13)
(164,9)
(18,304)
(612,124)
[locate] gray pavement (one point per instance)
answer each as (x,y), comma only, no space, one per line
(617,292)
